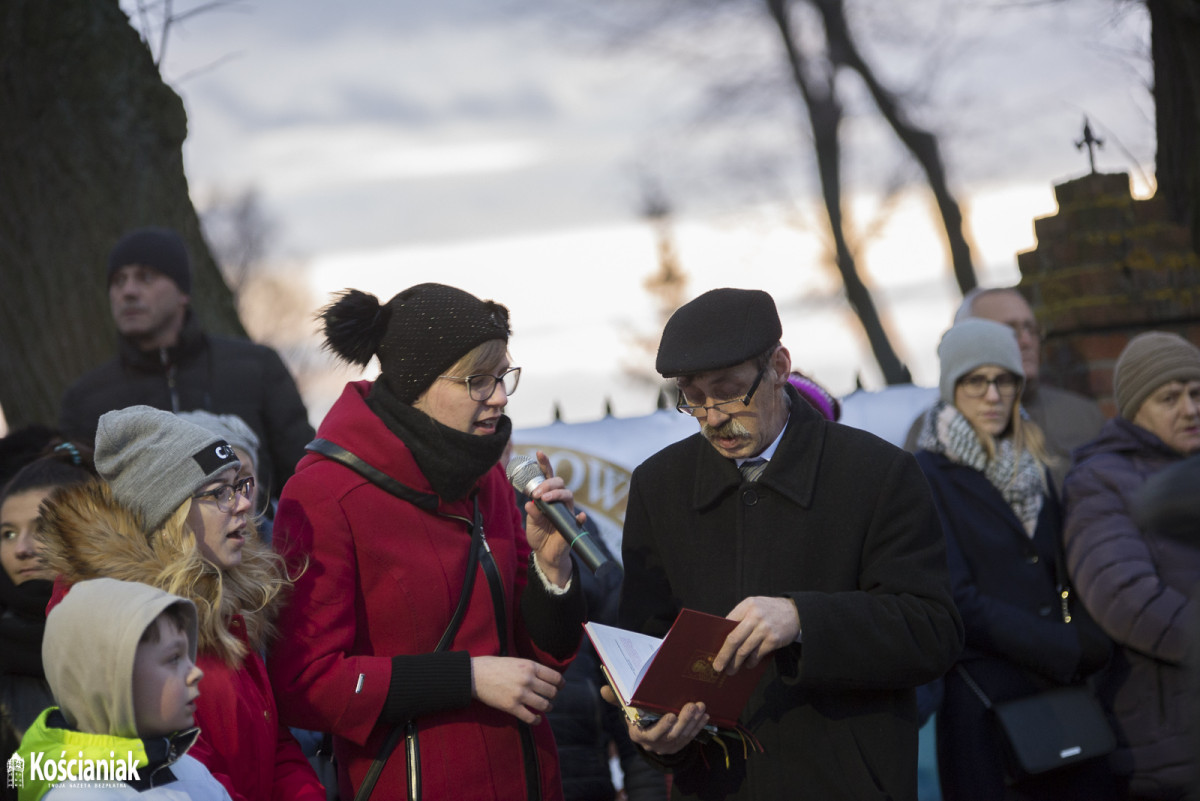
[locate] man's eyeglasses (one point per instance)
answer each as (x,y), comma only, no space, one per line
(224,495)
(1026,327)
(976,386)
(483,385)
(725,407)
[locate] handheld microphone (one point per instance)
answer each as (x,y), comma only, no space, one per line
(525,475)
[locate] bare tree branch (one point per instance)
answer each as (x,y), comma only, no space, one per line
(920,143)
(825,114)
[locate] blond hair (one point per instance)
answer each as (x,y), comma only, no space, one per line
(251,588)
(482,358)
(1026,436)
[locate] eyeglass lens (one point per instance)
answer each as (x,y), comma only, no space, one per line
(976,386)
(483,386)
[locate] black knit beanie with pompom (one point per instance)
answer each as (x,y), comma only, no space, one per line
(417,335)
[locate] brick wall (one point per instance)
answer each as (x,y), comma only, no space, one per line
(1106,267)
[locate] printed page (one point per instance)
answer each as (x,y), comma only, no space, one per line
(626,654)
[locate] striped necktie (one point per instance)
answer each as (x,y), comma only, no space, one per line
(752,469)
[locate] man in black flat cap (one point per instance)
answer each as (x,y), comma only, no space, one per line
(830,555)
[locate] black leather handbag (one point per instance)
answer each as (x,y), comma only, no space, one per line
(1049,730)
(1054,728)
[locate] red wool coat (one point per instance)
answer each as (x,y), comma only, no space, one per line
(242,742)
(383,579)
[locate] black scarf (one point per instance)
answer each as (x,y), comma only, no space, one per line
(22,623)
(452,460)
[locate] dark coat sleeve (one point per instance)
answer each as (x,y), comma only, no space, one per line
(899,627)
(288,429)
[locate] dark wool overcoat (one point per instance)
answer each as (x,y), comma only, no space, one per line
(1006,589)
(217,374)
(842,523)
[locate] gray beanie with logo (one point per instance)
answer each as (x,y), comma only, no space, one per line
(971,344)
(233,428)
(154,461)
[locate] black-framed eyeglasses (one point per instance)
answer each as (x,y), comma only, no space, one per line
(726,406)
(976,386)
(483,385)
(224,495)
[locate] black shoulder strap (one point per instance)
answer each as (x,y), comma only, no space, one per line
(422,500)
(409,728)
(427,502)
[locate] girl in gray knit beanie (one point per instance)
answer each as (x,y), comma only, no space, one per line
(172,513)
(986,468)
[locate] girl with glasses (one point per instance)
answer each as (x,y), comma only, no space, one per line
(987,467)
(173,513)
(430,629)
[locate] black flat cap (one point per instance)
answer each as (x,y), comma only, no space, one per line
(721,328)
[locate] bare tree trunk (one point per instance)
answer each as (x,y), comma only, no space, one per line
(825,114)
(1175,47)
(90,147)
(922,144)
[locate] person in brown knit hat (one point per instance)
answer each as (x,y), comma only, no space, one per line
(1149,363)
(1138,581)
(392,631)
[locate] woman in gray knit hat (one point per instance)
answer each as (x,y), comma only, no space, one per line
(172,513)
(428,612)
(1139,582)
(986,465)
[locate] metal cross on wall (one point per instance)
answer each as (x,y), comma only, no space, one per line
(1090,141)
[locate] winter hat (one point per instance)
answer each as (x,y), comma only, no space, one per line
(161,249)
(1149,361)
(817,396)
(154,461)
(91,643)
(720,328)
(417,335)
(229,426)
(973,343)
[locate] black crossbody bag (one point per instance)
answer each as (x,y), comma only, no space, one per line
(479,554)
(1054,728)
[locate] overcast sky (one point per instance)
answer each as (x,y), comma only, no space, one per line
(500,145)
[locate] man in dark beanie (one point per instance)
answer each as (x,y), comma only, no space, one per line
(821,540)
(165,360)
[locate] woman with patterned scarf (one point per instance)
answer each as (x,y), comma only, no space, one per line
(986,465)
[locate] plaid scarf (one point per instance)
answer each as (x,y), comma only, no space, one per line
(1020,480)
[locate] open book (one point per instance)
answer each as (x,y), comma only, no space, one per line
(653,676)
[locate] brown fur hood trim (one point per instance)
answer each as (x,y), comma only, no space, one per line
(87,534)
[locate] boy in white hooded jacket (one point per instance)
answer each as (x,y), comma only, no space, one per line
(120,660)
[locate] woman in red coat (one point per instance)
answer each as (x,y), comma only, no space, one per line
(387,546)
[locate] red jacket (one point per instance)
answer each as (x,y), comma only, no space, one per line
(383,578)
(242,742)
